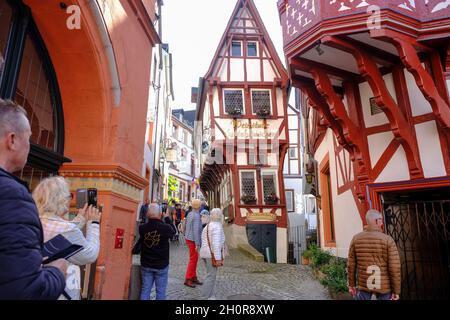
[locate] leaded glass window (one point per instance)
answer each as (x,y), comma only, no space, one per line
(248,184)
(234,102)
(269,184)
(261,102)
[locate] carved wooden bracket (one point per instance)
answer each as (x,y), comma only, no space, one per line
(438,98)
(400,127)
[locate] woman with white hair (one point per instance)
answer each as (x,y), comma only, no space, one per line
(212,250)
(53,197)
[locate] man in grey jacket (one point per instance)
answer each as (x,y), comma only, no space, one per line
(193,236)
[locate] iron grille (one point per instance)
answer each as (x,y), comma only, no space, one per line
(269,185)
(234,102)
(248,184)
(421,231)
(261,102)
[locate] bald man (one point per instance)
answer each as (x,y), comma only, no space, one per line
(373,258)
(22,275)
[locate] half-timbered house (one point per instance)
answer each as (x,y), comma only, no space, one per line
(241,134)
(375,77)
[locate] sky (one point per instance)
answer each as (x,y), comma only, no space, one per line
(193,29)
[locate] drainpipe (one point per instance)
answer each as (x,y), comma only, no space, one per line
(109,51)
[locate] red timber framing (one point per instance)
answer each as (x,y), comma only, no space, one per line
(415,39)
(245,26)
(401,128)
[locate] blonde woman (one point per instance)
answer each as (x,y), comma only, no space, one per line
(213,246)
(52,197)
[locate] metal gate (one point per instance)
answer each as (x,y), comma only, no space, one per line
(297,244)
(421,230)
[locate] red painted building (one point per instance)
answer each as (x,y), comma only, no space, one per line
(241,134)
(81,69)
(374,77)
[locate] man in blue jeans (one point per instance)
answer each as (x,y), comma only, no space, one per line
(155,236)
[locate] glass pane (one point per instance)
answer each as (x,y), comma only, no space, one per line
(269,185)
(234,102)
(248,184)
(261,102)
(34,95)
(252,50)
(32,176)
(5,26)
(236,49)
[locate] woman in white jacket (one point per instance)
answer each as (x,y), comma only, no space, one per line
(214,247)
(52,197)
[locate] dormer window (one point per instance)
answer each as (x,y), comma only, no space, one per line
(236,49)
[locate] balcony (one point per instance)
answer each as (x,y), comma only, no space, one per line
(305,21)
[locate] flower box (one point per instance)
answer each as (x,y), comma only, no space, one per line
(248,199)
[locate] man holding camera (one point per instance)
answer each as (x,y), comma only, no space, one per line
(22,275)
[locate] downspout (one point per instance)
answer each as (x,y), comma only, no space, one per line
(109,51)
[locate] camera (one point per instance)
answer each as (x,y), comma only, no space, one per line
(88,196)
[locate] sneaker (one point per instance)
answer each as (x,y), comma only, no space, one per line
(189,283)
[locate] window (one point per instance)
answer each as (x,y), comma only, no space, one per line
(34,95)
(269,180)
(5,22)
(261,102)
(28,78)
(290,204)
(234,102)
(293,154)
(248,184)
(174,132)
(236,49)
(252,49)
(182,135)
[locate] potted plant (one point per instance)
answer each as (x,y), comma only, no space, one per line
(306,256)
(235,112)
(271,199)
(248,199)
(263,111)
(335,278)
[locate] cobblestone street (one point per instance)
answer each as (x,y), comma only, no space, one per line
(244,279)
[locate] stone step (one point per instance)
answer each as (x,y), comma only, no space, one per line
(251,252)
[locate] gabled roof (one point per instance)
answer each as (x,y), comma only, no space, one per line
(233,27)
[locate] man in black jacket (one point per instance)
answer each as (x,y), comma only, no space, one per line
(22,275)
(155,235)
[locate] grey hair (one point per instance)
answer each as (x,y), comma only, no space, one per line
(11,118)
(154,210)
(372,216)
(216,215)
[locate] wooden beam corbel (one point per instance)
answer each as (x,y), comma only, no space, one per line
(432,89)
(400,127)
(351,131)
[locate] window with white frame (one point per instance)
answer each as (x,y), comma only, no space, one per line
(236,48)
(290,203)
(252,49)
(293,153)
(248,185)
(261,103)
(269,182)
(234,101)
